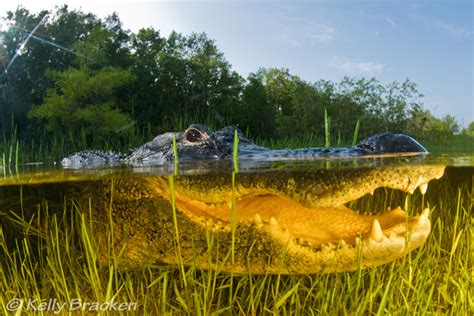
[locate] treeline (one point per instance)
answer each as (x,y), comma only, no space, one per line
(89,79)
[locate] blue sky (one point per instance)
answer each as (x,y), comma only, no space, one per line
(429,42)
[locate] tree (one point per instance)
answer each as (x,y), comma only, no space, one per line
(193,81)
(85,102)
(450,125)
(469,131)
(24,83)
(147,100)
(254,112)
(104,45)
(385,108)
(423,124)
(280,87)
(83,75)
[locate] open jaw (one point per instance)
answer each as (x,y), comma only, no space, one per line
(331,238)
(316,238)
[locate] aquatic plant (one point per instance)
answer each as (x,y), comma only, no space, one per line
(52,254)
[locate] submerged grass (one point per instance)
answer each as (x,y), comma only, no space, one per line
(57,260)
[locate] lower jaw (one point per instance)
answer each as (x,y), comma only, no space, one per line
(317,240)
(311,226)
(366,251)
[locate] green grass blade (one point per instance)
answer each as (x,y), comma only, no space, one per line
(327,129)
(356,133)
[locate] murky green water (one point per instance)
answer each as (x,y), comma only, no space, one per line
(58,242)
(208,192)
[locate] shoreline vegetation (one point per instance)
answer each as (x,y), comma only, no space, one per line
(71,81)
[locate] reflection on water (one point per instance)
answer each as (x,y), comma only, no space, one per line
(48,173)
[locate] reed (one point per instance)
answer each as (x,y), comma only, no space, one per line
(327,129)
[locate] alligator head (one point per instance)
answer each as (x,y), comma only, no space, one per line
(285,222)
(280,222)
(198,142)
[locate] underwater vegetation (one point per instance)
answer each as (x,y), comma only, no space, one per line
(49,253)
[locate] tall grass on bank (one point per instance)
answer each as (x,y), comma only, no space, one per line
(49,147)
(58,260)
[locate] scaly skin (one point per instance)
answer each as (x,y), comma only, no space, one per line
(294,222)
(286,222)
(198,142)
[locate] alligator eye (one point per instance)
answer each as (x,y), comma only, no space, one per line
(367,146)
(193,135)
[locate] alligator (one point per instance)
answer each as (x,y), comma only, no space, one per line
(198,142)
(272,221)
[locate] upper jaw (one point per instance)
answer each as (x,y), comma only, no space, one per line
(354,184)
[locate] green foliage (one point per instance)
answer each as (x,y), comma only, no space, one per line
(469,131)
(25,83)
(255,113)
(380,108)
(87,79)
(85,102)
(423,124)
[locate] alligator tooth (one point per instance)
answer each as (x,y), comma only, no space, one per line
(423,187)
(376,233)
(393,236)
(273,221)
(418,183)
(423,218)
(257,219)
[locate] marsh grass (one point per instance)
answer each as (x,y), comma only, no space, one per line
(50,147)
(52,255)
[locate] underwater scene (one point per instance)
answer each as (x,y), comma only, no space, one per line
(361,235)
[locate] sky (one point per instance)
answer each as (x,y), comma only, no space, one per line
(428,42)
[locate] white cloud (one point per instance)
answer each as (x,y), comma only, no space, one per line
(319,32)
(299,31)
(378,18)
(357,68)
(455,31)
(390,21)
